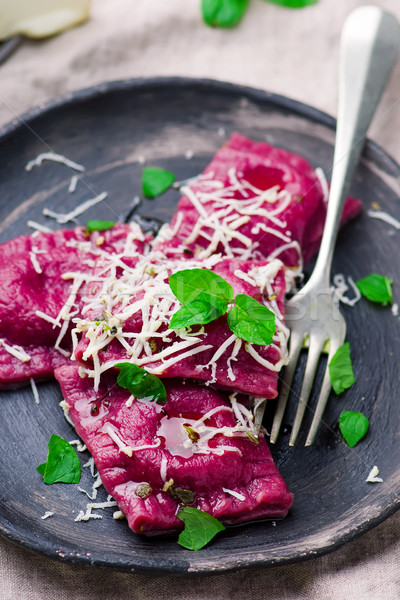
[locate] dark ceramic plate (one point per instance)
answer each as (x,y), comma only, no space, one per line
(108,129)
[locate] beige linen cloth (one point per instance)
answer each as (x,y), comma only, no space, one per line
(289,52)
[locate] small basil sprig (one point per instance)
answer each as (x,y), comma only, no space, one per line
(156,181)
(341,369)
(251,321)
(294,3)
(206,296)
(140,383)
(62,464)
(200,528)
(377,288)
(200,311)
(353,426)
(229,13)
(97,225)
(223,13)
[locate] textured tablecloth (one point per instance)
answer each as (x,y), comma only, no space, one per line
(294,53)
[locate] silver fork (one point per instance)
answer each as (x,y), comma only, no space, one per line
(368,52)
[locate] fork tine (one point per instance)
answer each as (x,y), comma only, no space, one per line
(314,354)
(295,348)
(323,397)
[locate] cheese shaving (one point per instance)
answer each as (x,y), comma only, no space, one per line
(16,351)
(79,445)
(63,218)
(96,484)
(86,515)
(234,494)
(163,469)
(373,476)
(384,216)
(340,288)
(34,390)
(47,318)
(38,227)
(142,293)
(47,514)
(324,184)
(110,430)
(178,442)
(73,183)
(53,157)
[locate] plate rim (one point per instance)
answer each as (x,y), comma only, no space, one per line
(302,108)
(20,122)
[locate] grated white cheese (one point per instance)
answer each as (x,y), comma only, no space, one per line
(179,443)
(35,262)
(47,514)
(340,288)
(90,464)
(65,407)
(73,183)
(142,292)
(63,218)
(110,430)
(236,348)
(209,414)
(163,469)
(384,216)
(86,515)
(266,363)
(53,157)
(96,484)
(245,277)
(80,446)
(130,401)
(373,476)
(213,361)
(47,318)
(323,181)
(34,390)
(38,227)
(234,494)
(189,154)
(16,351)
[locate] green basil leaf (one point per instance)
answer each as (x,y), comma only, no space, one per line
(200,528)
(223,13)
(140,383)
(96,225)
(251,321)
(294,3)
(156,181)
(198,312)
(353,426)
(62,464)
(341,369)
(376,288)
(187,285)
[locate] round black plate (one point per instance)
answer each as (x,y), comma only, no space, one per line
(109,129)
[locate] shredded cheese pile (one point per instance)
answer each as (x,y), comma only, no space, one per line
(185,437)
(222,214)
(79,280)
(142,293)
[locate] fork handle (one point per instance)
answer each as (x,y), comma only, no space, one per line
(368,52)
